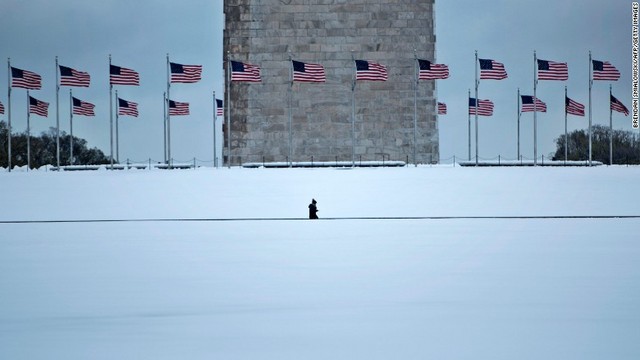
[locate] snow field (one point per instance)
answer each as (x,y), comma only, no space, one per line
(340,289)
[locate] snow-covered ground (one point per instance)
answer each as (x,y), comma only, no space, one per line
(565,288)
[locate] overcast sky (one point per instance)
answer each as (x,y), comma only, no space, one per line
(139,34)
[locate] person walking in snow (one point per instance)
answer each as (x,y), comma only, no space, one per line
(313,209)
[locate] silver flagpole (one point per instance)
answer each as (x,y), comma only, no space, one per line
(535,110)
(518,109)
(566,137)
(290,111)
(57,114)
(476,108)
(469,122)
(9,77)
(590,85)
(110,114)
(164,125)
(229,109)
(353,113)
(215,117)
(415,108)
(28,131)
(610,128)
(168,114)
(71,127)
(117,132)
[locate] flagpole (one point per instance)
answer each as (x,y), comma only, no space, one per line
(610,128)
(110,114)
(469,123)
(28,131)
(228,109)
(71,126)
(590,85)
(168,114)
(415,108)
(476,108)
(164,125)
(9,77)
(535,110)
(518,109)
(353,112)
(117,133)
(57,114)
(566,138)
(215,117)
(290,110)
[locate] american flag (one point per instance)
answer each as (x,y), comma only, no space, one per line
(38,107)
(307,72)
(367,70)
(185,73)
(219,108)
(72,77)
(178,108)
(616,105)
(551,70)
(1,108)
(442,108)
(244,72)
(603,70)
(123,76)
(25,79)
(82,107)
(485,107)
(429,71)
(127,108)
(573,107)
(492,70)
(528,104)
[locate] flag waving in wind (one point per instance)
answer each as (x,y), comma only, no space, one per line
(123,76)
(485,107)
(25,79)
(82,107)
(573,107)
(603,70)
(429,71)
(219,108)
(307,72)
(244,72)
(492,70)
(38,107)
(530,104)
(127,108)
(72,77)
(442,108)
(551,70)
(185,73)
(367,70)
(178,108)
(616,105)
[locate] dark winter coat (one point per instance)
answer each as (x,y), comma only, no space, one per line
(313,211)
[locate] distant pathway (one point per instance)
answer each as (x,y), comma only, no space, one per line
(62,221)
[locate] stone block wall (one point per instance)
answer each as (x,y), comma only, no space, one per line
(331,33)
